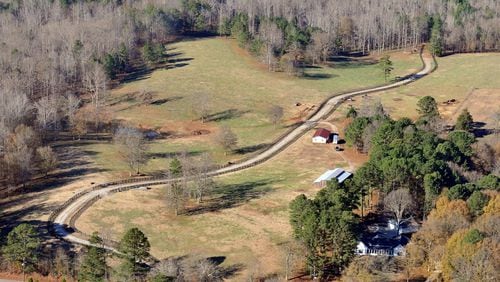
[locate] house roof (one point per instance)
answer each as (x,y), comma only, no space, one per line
(322,133)
(380,241)
(329,175)
(341,178)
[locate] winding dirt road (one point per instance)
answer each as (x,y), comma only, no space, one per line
(62,217)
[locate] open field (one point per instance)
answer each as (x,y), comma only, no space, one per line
(241,91)
(246,220)
(470,79)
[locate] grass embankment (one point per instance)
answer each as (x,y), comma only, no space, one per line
(242,91)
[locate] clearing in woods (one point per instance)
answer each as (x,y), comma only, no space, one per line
(241,92)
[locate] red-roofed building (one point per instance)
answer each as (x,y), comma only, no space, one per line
(321,136)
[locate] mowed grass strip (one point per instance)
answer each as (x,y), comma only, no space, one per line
(241,90)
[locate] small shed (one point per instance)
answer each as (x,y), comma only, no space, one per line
(327,176)
(321,136)
(335,139)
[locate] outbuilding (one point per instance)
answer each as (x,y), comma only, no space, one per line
(321,136)
(338,173)
(335,139)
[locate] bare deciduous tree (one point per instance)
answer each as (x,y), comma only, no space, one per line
(201,105)
(19,153)
(202,180)
(208,271)
(170,268)
(95,82)
(400,203)
(48,159)
(275,114)
(133,147)
(175,197)
(322,45)
(226,138)
(4,132)
(272,36)
(72,104)
(14,107)
(46,109)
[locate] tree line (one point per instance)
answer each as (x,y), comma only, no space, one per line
(61,57)
(322,28)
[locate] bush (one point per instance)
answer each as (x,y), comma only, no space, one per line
(489,182)
(461,191)
(477,201)
(473,236)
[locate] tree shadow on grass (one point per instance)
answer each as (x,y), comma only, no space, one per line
(72,166)
(174,54)
(317,76)
(170,155)
(479,131)
(176,66)
(9,220)
(225,115)
(231,270)
(127,98)
(232,195)
(251,149)
(179,60)
(140,73)
(166,100)
(350,62)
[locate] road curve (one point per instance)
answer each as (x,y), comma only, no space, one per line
(60,219)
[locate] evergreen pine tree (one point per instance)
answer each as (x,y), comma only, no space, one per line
(93,267)
(464,121)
